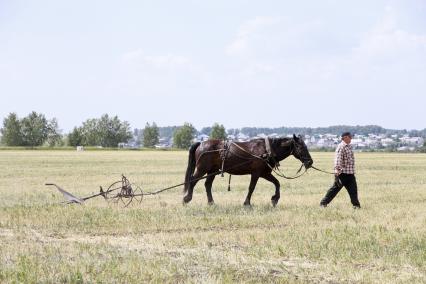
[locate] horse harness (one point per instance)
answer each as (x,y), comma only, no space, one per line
(268,157)
(223,154)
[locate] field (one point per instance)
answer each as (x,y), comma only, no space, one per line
(163,241)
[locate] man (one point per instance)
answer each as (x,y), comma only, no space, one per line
(344,170)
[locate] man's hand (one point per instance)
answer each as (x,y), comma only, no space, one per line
(337,172)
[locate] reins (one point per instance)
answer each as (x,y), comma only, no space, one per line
(326,172)
(278,172)
(275,169)
(192,180)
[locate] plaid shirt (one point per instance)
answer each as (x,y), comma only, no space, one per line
(344,161)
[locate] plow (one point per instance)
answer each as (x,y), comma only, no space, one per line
(119,192)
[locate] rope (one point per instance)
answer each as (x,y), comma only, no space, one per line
(192,180)
(315,168)
(245,151)
(278,172)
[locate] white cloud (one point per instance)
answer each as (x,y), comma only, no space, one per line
(248,33)
(387,40)
(132,56)
(168,61)
(160,62)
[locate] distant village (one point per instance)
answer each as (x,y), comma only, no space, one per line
(327,142)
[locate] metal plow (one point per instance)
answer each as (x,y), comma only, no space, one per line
(120,192)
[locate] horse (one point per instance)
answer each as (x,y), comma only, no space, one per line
(258,158)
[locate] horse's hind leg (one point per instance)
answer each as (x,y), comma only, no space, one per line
(194,180)
(208,184)
(276,196)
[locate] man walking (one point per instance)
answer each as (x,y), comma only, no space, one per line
(344,170)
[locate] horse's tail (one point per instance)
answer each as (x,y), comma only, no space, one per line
(191,165)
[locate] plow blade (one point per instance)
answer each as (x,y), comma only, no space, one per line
(68,196)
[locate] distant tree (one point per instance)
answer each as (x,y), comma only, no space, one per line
(233,131)
(423,149)
(75,137)
(183,136)
(105,131)
(54,136)
(167,131)
(11,131)
(206,130)
(138,136)
(34,129)
(112,131)
(218,132)
(150,135)
(91,135)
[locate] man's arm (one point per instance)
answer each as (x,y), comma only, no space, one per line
(338,162)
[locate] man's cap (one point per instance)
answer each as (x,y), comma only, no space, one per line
(346,134)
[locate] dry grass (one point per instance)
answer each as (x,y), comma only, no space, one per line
(163,241)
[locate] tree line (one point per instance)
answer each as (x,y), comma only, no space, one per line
(36,130)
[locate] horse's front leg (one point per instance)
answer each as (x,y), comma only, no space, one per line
(253,182)
(276,196)
(208,184)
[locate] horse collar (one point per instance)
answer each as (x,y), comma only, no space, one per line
(268,146)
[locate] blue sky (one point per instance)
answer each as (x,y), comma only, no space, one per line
(239,63)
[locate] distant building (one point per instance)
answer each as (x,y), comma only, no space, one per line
(242,137)
(202,137)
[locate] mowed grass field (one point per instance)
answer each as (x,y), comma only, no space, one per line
(163,241)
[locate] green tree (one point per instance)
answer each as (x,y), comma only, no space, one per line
(206,130)
(218,132)
(112,131)
(183,136)
(11,131)
(75,137)
(34,129)
(423,149)
(90,133)
(105,131)
(150,135)
(54,136)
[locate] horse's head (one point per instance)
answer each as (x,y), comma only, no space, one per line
(300,151)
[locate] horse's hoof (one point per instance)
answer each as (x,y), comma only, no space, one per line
(248,207)
(186,199)
(274,200)
(247,204)
(210,203)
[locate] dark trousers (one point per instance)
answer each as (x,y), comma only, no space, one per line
(343,180)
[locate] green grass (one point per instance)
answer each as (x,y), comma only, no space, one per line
(163,241)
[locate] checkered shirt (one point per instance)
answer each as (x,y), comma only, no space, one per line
(344,161)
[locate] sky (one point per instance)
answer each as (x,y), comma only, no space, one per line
(238,63)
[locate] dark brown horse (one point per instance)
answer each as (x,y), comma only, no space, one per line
(256,158)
